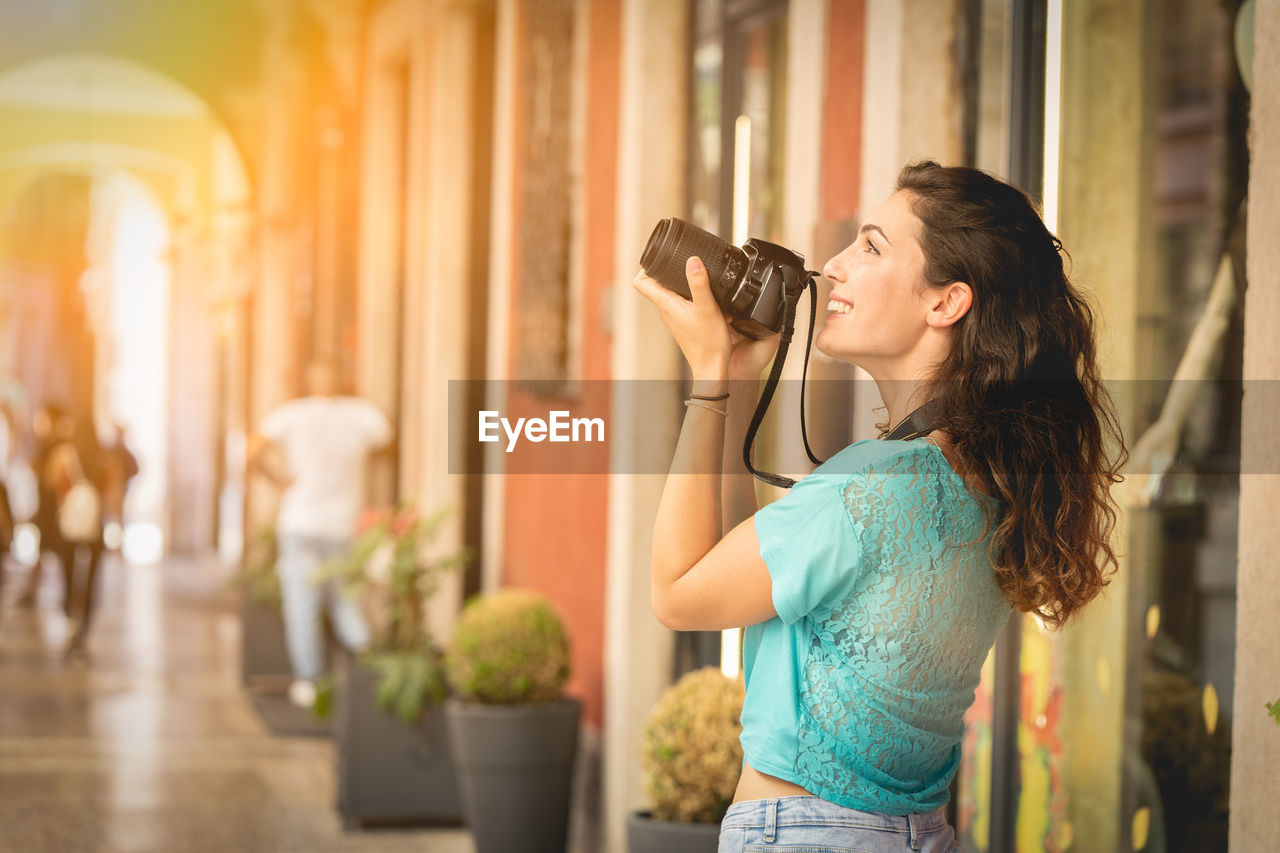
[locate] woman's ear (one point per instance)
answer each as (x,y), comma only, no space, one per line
(950,303)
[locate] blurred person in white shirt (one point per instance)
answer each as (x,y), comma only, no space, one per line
(322,443)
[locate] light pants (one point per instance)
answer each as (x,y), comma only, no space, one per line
(813,825)
(298,559)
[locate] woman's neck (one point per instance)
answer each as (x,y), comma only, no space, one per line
(901,397)
(904,378)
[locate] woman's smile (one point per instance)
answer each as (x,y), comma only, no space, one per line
(838,306)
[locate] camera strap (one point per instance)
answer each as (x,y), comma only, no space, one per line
(916,424)
(789,291)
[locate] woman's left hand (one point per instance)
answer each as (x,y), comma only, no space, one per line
(699,327)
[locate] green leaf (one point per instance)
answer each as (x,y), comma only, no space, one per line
(407,682)
(323,708)
(392,673)
(412,692)
(1273,708)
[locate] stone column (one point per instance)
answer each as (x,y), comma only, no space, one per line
(651,184)
(337,180)
(801,210)
(1105,221)
(272,323)
(1255,736)
(442,271)
(192,399)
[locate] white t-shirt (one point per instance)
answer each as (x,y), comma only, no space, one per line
(326,442)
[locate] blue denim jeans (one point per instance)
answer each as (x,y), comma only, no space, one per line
(813,825)
(298,559)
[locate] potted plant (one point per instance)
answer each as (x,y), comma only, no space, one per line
(691,759)
(393,756)
(263,653)
(514,736)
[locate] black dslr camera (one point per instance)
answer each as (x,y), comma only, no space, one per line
(749,283)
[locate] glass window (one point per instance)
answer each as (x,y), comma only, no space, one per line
(704,142)
(1184,544)
(738,79)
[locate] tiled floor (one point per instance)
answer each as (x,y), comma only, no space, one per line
(150,743)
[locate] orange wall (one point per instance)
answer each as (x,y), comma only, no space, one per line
(842,109)
(555,528)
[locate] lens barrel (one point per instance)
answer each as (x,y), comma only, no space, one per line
(674,241)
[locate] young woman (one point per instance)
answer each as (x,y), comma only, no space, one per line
(874,589)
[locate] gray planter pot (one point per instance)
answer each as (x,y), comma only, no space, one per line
(389,773)
(646,835)
(515,763)
(263,655)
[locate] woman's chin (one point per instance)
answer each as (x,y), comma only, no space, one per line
(834,351)
(824,344)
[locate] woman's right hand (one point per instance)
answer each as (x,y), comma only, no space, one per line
(748,358)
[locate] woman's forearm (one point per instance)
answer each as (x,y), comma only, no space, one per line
(738,489)
(688,520)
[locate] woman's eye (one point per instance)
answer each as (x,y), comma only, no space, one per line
(871,248)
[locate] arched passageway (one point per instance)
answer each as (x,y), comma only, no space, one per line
(123,278)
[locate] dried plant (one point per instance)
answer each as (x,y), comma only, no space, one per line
(508,647)
(691,755)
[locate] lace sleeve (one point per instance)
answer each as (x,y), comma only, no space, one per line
(808,543)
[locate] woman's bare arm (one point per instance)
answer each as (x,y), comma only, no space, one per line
(701,579)
(738,488)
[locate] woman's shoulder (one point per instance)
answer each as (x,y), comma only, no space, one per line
(870,454)
(914,466)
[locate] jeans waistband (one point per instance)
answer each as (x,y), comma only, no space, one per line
(784,811)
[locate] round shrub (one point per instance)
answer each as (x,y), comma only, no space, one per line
(508,647)
(691,755)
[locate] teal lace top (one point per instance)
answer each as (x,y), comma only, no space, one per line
(857,690)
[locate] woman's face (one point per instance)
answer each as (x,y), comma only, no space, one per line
(876,313)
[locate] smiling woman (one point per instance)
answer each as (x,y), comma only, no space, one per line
(872,592)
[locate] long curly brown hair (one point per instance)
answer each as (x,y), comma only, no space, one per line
(1020,396)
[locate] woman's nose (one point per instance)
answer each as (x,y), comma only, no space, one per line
(834,269)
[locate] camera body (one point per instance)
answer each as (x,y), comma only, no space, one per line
(748,283)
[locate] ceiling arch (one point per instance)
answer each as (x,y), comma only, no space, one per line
(97,83)
(71,111)
(213,49)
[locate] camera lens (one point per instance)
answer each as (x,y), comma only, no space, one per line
(674,241)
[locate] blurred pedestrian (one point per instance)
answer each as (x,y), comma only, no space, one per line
(48,425)
(8,522)
(17,484)
(119,467)
(321,444)
(69,512)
